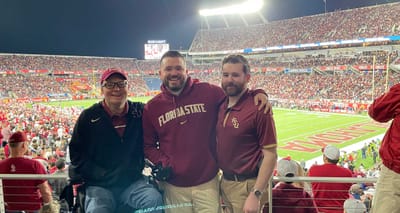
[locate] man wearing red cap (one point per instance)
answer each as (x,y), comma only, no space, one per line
(23,195)
(106,150)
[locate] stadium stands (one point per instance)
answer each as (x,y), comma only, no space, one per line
(367,22)
(75,76)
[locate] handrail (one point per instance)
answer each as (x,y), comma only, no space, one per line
(269,190)
(32,176)
(326,179)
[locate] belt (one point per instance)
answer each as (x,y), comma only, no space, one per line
(235,177)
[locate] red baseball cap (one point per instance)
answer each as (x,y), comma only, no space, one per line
(18,137)
(111,71)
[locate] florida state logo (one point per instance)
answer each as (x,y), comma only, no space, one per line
(235,122)
(13,168)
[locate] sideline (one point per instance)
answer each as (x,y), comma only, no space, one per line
(350,148)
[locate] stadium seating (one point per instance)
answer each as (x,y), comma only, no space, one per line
(367,22)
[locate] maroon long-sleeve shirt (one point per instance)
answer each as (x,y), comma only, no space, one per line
(384,109)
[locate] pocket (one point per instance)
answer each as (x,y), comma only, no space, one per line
(250,183)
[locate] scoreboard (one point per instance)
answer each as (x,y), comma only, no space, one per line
(154,49)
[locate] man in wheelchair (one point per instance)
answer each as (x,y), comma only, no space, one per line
(106,151)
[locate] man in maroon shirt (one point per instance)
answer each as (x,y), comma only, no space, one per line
(246,141)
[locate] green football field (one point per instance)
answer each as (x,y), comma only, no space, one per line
(301,134)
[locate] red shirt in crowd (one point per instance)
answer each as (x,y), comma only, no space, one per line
(329,197)
(22,194)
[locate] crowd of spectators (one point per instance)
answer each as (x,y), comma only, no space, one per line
(21,86)
(47,127)
(74,75)
(25,86)
(304,86)
(367,22)
(350,83)
(340,59)
(63,63)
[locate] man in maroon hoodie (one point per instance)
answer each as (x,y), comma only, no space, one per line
(179,134)
(384,109)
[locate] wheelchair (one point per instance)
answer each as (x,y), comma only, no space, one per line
(73,195)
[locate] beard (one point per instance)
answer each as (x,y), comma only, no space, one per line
(176,85)
(232,89)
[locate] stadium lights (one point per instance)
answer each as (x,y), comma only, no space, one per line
(249,6)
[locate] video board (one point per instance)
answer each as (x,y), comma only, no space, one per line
(154,49)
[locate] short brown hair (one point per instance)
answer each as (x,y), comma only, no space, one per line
(237,59)
(172,54)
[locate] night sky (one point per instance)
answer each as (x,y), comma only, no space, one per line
(119,28)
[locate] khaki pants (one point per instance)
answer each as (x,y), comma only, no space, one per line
(203,198)
(387,194)
(235,193)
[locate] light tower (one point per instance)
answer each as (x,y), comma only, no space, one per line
(246,7)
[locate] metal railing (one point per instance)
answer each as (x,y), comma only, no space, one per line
(23,177)
(269,190)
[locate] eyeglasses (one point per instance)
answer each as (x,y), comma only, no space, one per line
(111,85)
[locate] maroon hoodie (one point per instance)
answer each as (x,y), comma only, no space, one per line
(184,126)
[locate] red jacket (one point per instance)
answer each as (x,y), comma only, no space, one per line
(384,109)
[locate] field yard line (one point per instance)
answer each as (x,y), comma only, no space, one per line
(290,118)
(322,113)
(315,113)
(319,130)
(310,120)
